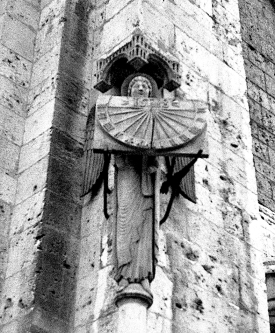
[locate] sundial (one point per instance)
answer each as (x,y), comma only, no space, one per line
(151,125)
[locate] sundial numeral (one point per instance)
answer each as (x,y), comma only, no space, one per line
(108,127)
(184,138)
(136,105)
(194,130)
(130,140)
(175,104)
(160,144)
(157,144)
(165,104)
(118,134)
(142,102)
(125,102)
(102,116)
(201,120)
(144,144)
(155,103)
(172,142)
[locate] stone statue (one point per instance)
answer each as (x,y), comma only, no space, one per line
(145,133)
(135,243)
(140,86)
(139,128)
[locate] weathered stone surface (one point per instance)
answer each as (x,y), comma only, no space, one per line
(64,147)
(15,67)
(9,156)
(27,214)
(75,65)
(11,126)
(13,97)
(255,74)
(32,180)
(22,43)
(3,7)
(46,66)
(50,28)
(103,304)
(62,214)
(10,327)
(73,94)
(262,72)
(70,122)
(35,150)
(110,37)
(47,208)
(64,179)
(44,3)
(7,187)
(210,275)
(78,34)
(261,150)
(106,324)
(217,256)
(22,252)
(5,215)
(56,266)
(41,95)
(24,11)
(69,91)
(39,122)
(189,10)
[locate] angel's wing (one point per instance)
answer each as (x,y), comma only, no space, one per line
(188,182)
(93,162)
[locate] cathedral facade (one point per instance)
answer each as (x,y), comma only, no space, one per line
(137,166)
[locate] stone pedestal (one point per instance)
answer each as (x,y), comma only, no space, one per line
(133,302)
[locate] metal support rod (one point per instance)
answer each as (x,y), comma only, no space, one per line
(106,187)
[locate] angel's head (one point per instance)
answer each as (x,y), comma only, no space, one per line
(140,86)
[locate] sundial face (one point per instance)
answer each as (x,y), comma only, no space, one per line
(151,123)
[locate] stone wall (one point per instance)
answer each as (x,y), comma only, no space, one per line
(56,267)
(258,23)
(16,56)
(210,275)
(38,291)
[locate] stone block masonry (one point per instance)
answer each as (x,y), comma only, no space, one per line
(258,50)
(257,20)
(210,275)
(43,186)
(56,247)
(15,73)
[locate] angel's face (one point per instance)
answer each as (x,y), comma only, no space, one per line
(140,87)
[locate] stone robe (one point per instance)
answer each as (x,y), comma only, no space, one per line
(135,242)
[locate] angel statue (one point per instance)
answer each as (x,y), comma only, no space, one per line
(135,234)
(139,127)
